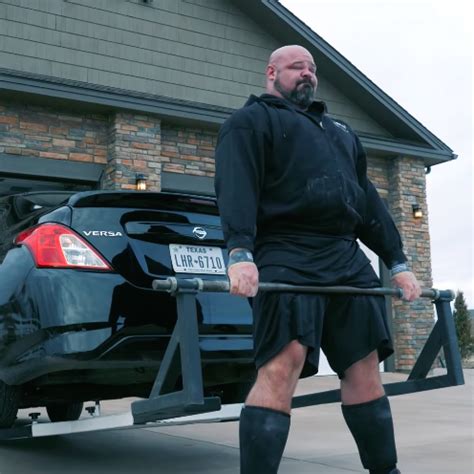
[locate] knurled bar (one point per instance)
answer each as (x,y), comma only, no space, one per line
(173,285)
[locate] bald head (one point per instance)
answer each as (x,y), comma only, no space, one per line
(291,74)
(287,52)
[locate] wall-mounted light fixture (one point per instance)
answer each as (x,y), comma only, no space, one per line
(417,211)
(140,181)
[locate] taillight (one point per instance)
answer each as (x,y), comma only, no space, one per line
(57,246)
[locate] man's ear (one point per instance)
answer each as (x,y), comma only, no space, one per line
(271,72)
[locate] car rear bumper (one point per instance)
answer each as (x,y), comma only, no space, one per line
(215,352)
(69,320)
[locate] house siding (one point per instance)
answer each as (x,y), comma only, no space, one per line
(206,52)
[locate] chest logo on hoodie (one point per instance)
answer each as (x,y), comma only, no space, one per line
(341,126)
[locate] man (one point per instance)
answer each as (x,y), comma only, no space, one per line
(294,196)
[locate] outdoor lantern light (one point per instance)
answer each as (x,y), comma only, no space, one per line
(417,212)
(140,180)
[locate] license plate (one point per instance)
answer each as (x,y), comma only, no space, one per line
(197,259)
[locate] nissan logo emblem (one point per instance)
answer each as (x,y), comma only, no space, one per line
(199,232)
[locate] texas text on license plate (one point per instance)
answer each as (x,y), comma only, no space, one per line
(197,259)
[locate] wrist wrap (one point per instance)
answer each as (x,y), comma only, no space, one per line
(398,268)
(241,255)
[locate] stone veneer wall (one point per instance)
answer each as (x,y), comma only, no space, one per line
(188,150)
(47,132)
(134,147)
(412,322)
(377,171)
(401,182)
(128,143)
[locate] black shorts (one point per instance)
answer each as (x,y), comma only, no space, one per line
(346,327)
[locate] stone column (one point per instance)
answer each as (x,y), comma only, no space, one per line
(412,322)
(134,147)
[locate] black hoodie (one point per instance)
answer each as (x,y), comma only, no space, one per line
(288,181)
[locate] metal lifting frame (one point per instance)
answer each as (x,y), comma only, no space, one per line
(443,336)
(182,358)
(166,406)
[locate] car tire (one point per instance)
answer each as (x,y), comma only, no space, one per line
(64,411)
(9,402)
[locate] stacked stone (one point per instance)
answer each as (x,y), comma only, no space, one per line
(412,322)
(46,132)
(134,147)
(377,173)
(188,150)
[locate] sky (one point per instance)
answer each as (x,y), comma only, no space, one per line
(419,52)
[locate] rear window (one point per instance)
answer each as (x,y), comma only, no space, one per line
(142,200)
(26,204)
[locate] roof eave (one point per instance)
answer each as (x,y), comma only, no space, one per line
(111,98)
(394,148)
(357,78)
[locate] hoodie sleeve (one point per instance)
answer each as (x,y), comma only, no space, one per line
(240,156)
(378,231)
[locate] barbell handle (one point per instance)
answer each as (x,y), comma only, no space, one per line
(173,284)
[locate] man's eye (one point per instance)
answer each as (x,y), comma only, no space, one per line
(302,66)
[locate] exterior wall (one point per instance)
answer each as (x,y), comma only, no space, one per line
(339,106)
(402,183)
(134,146)
(412,322)
(377,170)
(44,132)
(188,150)
(207,51)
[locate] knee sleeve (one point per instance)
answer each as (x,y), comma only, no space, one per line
(371,426)
(263,433)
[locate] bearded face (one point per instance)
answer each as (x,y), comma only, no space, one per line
(301,93)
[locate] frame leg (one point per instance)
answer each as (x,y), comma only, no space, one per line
(190,399)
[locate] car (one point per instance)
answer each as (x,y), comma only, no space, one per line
(79,319)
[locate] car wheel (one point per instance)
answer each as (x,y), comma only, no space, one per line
(9,401)
(64,411)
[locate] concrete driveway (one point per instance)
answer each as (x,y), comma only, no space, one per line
(434,431)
